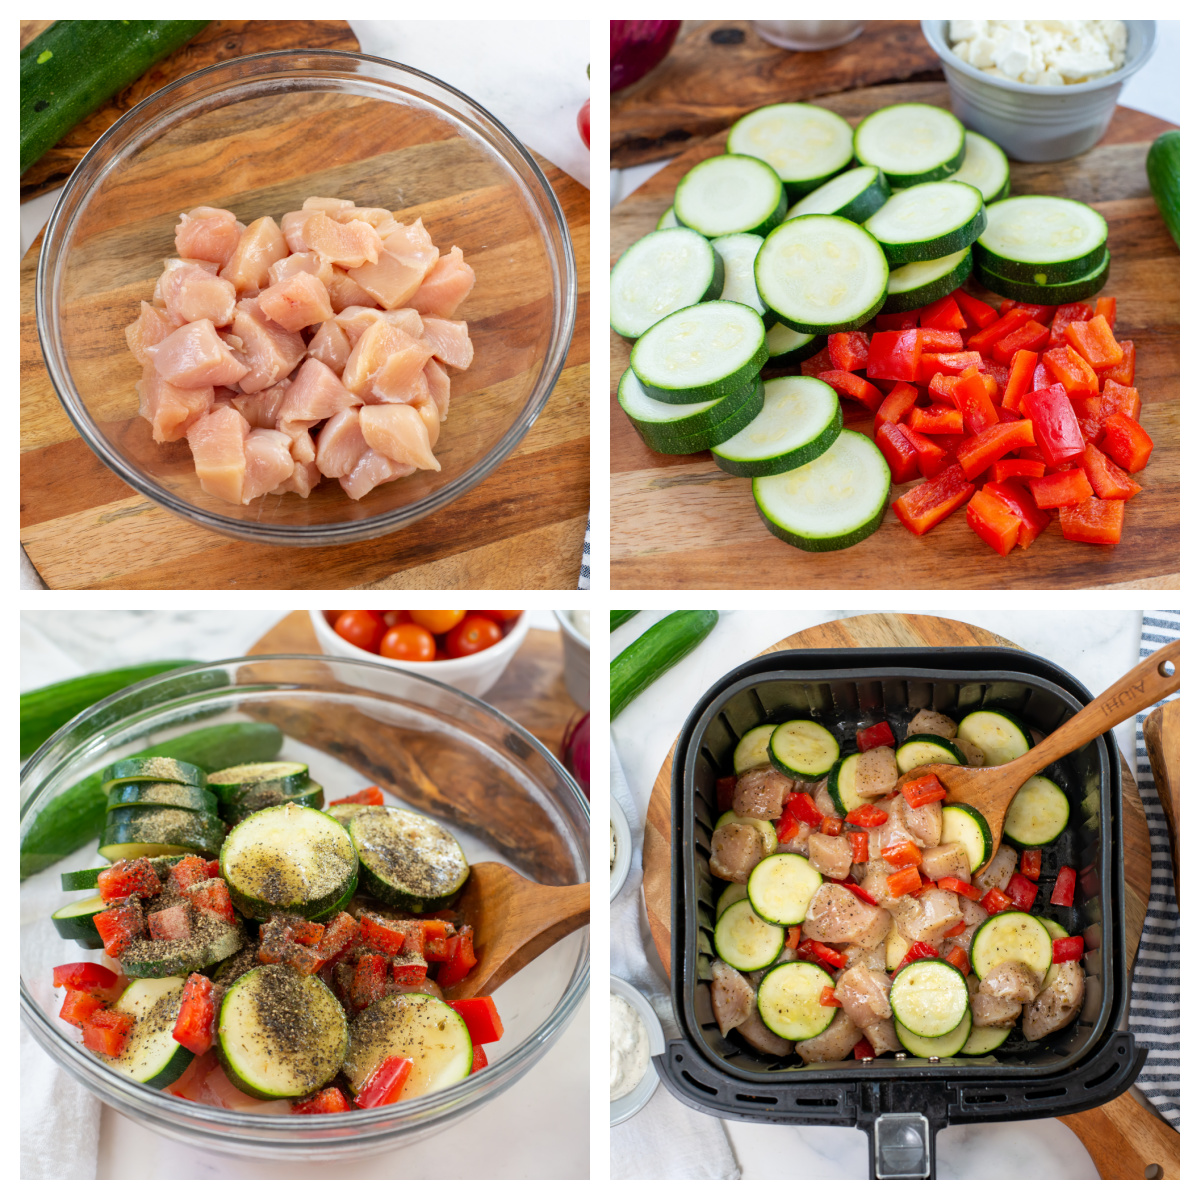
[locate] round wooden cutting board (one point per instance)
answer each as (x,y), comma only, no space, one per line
(1121,1136)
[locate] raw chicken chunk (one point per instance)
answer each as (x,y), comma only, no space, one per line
(875,772)
(261,245)
(999,871)
(1056,1006)
(331,346)
(218,445)
(864,994)
(449,341)
(349,244)
(297,302)
(1011,980)
(406,257)
(945,861)
(372,470)
(736,851)
(268,462)
(370,353)
(927,917)
(330,205)
(191,293)
(837,915)
(834,1043)
(923,823)
(304,477)
(761,792)
(345,293)
(153,324)
(882,1036)
(308,262)
(829,855)
(340,444)
(439,387)
(732,997)
(269,351)
(315,393)
(989,1010)
(401,379)
(292,228)
(760,1038)
(193,357)
(397,431)
(446,286)
(261,409)
(927,721)
(170,409)
(208,233)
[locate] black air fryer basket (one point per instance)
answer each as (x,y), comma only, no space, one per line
(901,1103)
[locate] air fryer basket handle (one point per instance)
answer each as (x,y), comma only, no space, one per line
(900,1146)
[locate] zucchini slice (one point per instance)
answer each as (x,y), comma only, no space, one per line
(1056,931)
(687,428)
(75,922)
(800,419)
(911,143)
(212,941)
(1039,812)
(854,194)
(929,998)
(271,795)
(408,860)
(659,274)
(668,220)
(151,1056)
(766,828)
(151,825)
(1036,293)
(151,770)
(984,1039)
(946,1046)
(731,193)
(280,1034)
(753,749)
(116,851)
(789,1001)
(965,825)
(999,735)
(234,782)
(744,940)
(928,221)
(806,145)
(738,252)
(89,877)
(731,895)
(803,750)
(924,749)
(841,786)
(164,795)
(345,813)
(788,347)
(1042,239)
(1011,935)
(985,167)
(780,887)
(917,284)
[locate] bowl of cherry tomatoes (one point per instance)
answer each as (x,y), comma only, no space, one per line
(466,648)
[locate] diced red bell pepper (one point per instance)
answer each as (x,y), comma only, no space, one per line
(1115,397)
(1106,307)
(828,998)
(849,351)
(1042,313)
(1068,949)
(787,828)
(855,890)
(369,795)
(478,1059)
(385,1083)
(955,930)
(949,884)
(932,456)
(940,341)
(904,882)
(188,871)
(303,959)
(1108,481)
(917,951)
(106,1032)
(85,977)
(925,790)
(1015,468)
(482,1020)
(899,453)
(1071,372)
(1020,376)
(853,387)
(437,949)
(947,362)
(792,940)
(213,896)
(410,971)
(1089,881)
(1041,379)
(801,806)
(879,734)
(863,1049)
(818,363)
(307,933)
(893,322)
(859,841)
(974,402)
(1126,442)
(990,445)
(118,926)
(1063,316)
(132,877)
(1123,372)
(1061,489)
(370,980)
(903,854)
(1011,320)
(1022,892)
(1096,522)
(197,1014)
(943,314)
(941,388)
(897,404)
(956,956)
(922,507)
(895,355)
(461,959)
(827,954)
(340,935)
(331,1100)
(1033,519)
(213,869)
(78,1006)
(170,924)
(994,900)
(1031,864)
(1030,336)
(726,788)
(831,826)
(977,312)
(866,816)
(1095,343)
(1055,426)
(991,384)
(380,934)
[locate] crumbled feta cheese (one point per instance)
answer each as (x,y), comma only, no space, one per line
(1049,53)
(964,31)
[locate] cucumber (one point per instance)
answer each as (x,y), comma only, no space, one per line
(801,418)
(74,922)
(234,783)
(1038,814)
(1042,240)
(911,143)
(151,1055)
(158,768)
(820,274)
(656,651)
(659,274)
(46,710)
(1051,293)
(842,790)
(925,748)
(731,895)
(965,825)
(806,145)
(148,825)
(76,815)
(212,942)
(668,220)
(687,428)
(618,616)
(917,284)
(803,750)
(744,940)
(408,860)
(985,167)
(162,795)
(780,888)
(832,502)
(769,836)
(1162,173)
(731,193)
(752,749)
(72,68)
(999,735)
(929,998)
(789,347)
(984,1039)
(854,194)
(1011,935)
(789,1001)
(701,353)
(738,252)
(946,1046)
(928,221)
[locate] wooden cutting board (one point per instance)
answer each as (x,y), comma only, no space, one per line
(522,527)
(679,521)
(1122,1136)
(1161,730)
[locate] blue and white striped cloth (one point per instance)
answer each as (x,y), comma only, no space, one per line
(1154,1011)
(585,567)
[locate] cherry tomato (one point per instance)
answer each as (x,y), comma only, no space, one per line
(471,636)
(395,616)
(360,628)
(408,642)
(584,123)
(499,615)
(332,614)
(438,620)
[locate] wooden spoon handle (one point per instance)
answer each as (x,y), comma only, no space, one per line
(1126,1142)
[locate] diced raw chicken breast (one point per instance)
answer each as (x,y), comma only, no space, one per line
(345,293)
(1012,980)
(261,245)
(292,228)
(153,324)
(170,409)
(356,319)
(190,293)
(829,855)
(864,994)
(412,245)
(315,393)
(882,1036)
(446,286)
(397,431)
(345,245)
(736,851)
(261,409)
(760,793)
(330,205)
(308,261)
(372,470)
(999,871)
(732,996)
(449,341)
(304,449)
(218,444)
(375,217)
(834,1043)
(428,413)
(331,346)
(194,356)
(927,917)
(340,444)
(158,299)
(270,351)
(835,914)
(208,233)
(268,462)
(297,302)
(303,479)
(407,257)
(439,386)
(1056,1006)
(370,353)
(401,379)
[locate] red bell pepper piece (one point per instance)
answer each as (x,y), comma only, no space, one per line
(941,388)
(829,999)
(787,828)
(132,877)
(827,954)
(991,383)
(170,924)
(893,322)
(994,521)
(118,926)
(1031,864)
(410,971)
(1021,504)
(985,340)
(956,956)
(1115,397)
(940,341)
(855,890)
(385,1083)
(1015,468)
(879,734)
(925,790)
(904,881)
(955,930)
(948,362)
(859,842)
(482,1020)
(849,351)
(340,935)
(990,445)
(1055,426)
(922,507)
(1123,372)
(388,937)
(932,456)
(994,900)
(1108,481)
(977,312)
(478,1059)
(1097,522)
(935,418)
(974,402)
(1106,307)
(725,791)
(831,826)
(85,977)
(77,1007)
(461,959)
(863,1050)
(437,949)
(903,854)
(106,1032)
(801,806)
(1030,336)
(1095,343)
(1126,442)
(369,795)
(1060,490)
(895,355)
(1042,313)
(189,871)
(866,816)
(213,896)
(1063,316)
(197,1014)
(793,937)
(1020,376)
(942,314)
(1069,370)
(899,453)
(1022,892)
(370,980)
(949,884)
(819,362)
(853,387)
(897,404)
(1068,949)
(331,1100)
(917,951)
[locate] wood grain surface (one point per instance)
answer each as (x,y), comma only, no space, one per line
(1122,1137)
(1161,730)
(680,522)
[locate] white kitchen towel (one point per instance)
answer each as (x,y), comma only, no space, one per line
(666,1140)
(1154,1010)
(585,567)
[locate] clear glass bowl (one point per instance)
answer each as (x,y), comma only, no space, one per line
(501,791)
(257,135)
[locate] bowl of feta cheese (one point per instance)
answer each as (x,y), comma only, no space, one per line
(1043,90)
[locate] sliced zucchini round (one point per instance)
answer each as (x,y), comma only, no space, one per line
(1035,293)
(999,735)
(408,860)
(753,749)
(234,782)
(985,1039)
(803,750)
(149,769)
(75,922)
(345,813)
(841,784)
(788,347)
(985,167)
(806,145)
(854,194)
(1042,239)
(929,998)
(280,1034)
(925,748)
(917,284)
(744,940)
(117,851)
(738,252)
(165,827)
(659,274)
(789,1001)
(212,941)
(781,886)
(965,825)
(946,1046)
(731,895)
(911,143)
(731,193)
(163,795)
(668,220)
(1011,935)
(152,1055)
(687,428)
(927,222)
(271,795)
(1039,812)
(800,419)
(1056,931)
(769,836)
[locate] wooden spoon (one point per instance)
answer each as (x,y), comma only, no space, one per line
(514,920)
(990,790)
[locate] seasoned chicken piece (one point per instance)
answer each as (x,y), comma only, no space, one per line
(1056,1006)
(837,915)
(736,851)
(439,387)
(946,860)
(829,855)
(874,883)
(924,824)
(449,341)
(999,871)
(218,445)
(760,1038)
(446,286)
(330,346)
(761,792)
(892,832)
(988,1010)
(834,1043)
(1012,980)
(875,772)
(260,245)
(821,798)
(973,916)
(732,997)
(297,302)
(268,350)
(315,393)
(401,378)
(195,357)
(974,755)
(798,844)
(874,959)
(340,445)
(304,262)
(397,431)
(349,245)
(268,462)
(864,994)
(882,1036)
(928,721)
(154,324)
(208,233)
(170,409)
(345,293)
(407,256)
(372,470)
(192,293)
(304,477)
(925,918)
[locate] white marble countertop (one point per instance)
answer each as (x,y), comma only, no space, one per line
(540,1127)
(1095,647)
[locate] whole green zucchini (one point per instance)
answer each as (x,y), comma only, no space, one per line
(46,710)
(1162,170)
(76,816)
(618,616)
(657,650)
(75,66)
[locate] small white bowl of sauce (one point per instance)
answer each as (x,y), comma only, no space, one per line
(635,1038)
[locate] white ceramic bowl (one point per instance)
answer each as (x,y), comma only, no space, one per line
(1034,123)
(620,868)
(577,660)
(476,674)
(621,1110)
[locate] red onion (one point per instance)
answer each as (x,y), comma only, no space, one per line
(636,48)
(576,751)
